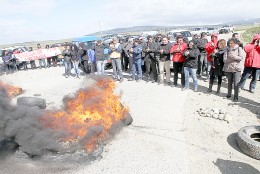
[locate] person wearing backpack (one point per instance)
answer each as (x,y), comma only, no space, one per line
(233,66)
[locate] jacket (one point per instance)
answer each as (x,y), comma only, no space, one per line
(150,55)
(201,44)
(74,56)
(91,55)
(252,53)
(210,47)
(165,56)
(116,50)
(99,51)
(218,62)
(83,53)
(191,60)
(67,55)
(233,60)
(177,55)
(137,52)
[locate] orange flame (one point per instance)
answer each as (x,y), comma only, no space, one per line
(96,106)
(11,91)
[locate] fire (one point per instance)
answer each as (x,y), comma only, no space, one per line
(11,91)
(90,115)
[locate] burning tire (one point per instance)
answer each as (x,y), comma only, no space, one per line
(248,140)
(32,102)
(128,120)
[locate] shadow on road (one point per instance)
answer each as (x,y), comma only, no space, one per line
(234,167)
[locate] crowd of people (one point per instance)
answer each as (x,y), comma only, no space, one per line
(151,60)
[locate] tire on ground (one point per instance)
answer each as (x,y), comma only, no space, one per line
(127,121)
(248,139)
(32,102)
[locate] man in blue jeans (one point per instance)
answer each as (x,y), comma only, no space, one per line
(137,61)
(191,55)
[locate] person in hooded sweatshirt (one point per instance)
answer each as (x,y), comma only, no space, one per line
(252,63)
(233,66)
(210,47)
(177,50)
(218,64)
(191,55)
(164,60)
(137,50)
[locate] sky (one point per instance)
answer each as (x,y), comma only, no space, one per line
(37,20)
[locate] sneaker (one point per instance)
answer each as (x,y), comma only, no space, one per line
(139,80)
(195,89)
(185,89)
(160,82)
(252,91)
(131,79)
(169,84)
(235,99)
(66,76)
(78,77)
(228,96)
(121,80)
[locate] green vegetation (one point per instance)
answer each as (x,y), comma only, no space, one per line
(249,33)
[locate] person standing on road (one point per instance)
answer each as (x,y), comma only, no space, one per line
(150,59)
(129,56)
(67,60)
(210,47)
(191,55)
(164,60)
(252,64)
(233,65)
(177,50)
(218,64)
(137,60)
(201,44)
(115,57)
(75,60)
(83,51)
(42,61)
(99,49)
(32,62)
(48,58)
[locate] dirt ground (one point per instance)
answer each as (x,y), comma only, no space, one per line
(211,143)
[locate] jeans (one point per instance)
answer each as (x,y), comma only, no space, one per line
(101,66)
(165,65)
(177,68)
(137,65)
(193,72)
(117,69)
(247,72)
(32,63)
(209,65)
(93,67)
(42,63)
(151,64)
(202,58)
(85,66)
(76,67)
(67,68)
(48,62)
(233,78)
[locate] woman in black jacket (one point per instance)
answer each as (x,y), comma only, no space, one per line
(218,64)
(191,55)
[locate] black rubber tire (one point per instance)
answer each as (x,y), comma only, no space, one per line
(32,102)
(128,120)
(249,144)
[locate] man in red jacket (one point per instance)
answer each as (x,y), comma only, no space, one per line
(178,60)
(252,63)
(210,47)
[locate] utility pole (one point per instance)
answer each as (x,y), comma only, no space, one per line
(101,34)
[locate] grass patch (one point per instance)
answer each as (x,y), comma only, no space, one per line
(249,33)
